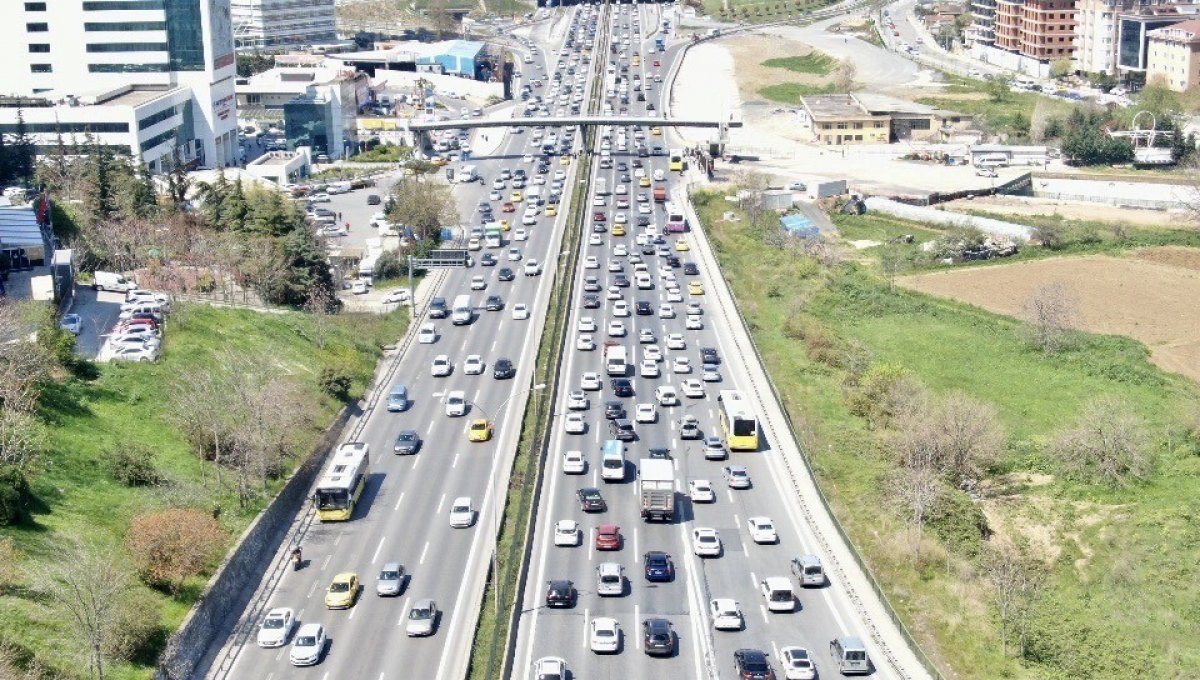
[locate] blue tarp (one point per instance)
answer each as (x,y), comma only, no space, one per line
(800,225)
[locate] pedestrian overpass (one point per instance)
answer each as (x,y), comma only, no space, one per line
(565,121)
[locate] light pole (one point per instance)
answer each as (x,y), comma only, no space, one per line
(496,504)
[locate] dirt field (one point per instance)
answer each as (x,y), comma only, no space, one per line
(751,50)
(1150,297)
(1029,205)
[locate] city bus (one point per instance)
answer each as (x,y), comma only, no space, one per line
(738,422)
(676,223)
(343,482)
(676,160)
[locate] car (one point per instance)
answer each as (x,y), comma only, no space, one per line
(590,500)
(701,491)
(590,381)
(514,254)
(680,364)
(591,301)
(797,663)
(487,260)
(666,312)
(614,410)
(709,356)
(710,373)
(648,368)
(532,268)
(505,274)
(422,618)
(462,513)
(725,613)
(608,537)
(391,580)
(658,566)
(591,284)
(643,308)
(714,448)
(480,430)
(575,424)
(408,442)
(456,403)
(473,365)
(560,593)
(442,366)
(138,353)
(427,335)
(693,323)
(493,303)
(691,269)
(645,413)
(605,636)
(342,591)
(681,245)
(478,283)
(614,293)
(308,645)
(693,388)
(574,463)
(577,400)
(658,637)
(591,262)
(706,542)
(676,341)
(737,476)
(752,664)
(665,395)
(689,427)
(503,369)
(652,352)
(762,530)
(610,579)
(520,235)
(566,533)
(550,668)
(276,628)
(622,387)
(620,308)
(587,324)
(621,429)
(585,343)
(616,329)
(695,288)
(72,323)
(673,295)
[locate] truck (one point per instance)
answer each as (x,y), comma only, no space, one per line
(113,281)
(465,174)
(615,358)
(656,489)
(660,194)
(660,43)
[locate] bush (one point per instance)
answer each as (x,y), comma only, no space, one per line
(172,545)
(133,465)
(336,382)
(390,266)
(14,495)
(137,632)
(959,522)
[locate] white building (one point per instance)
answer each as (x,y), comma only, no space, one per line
(283,24)
(134,73)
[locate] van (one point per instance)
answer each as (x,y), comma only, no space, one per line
(777,591)
(808,571)
(437,308)
(601,186)
(113,281)
(398,398)
(612,461)
(850,655)
(461,313)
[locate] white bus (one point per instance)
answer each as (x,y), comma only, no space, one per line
(461,313)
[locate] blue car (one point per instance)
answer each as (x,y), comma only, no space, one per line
(398,399)
(659,566)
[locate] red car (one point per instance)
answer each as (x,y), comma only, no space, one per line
(608,537)
(599,217)
(508,207)
(657,63)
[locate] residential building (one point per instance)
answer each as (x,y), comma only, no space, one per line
(1041,29)
(1174,55)
(864,118)
(154,77)
(1110,35)
(983,29)
(283,24)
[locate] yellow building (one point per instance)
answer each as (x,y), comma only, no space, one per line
(835,119)
(1173,55)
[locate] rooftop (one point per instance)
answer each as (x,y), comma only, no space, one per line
(833,106)
(1184,31)
(863,104)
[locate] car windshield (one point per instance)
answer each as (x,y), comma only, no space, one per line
(389,575)
(306,641)
(419,613)
(273,622)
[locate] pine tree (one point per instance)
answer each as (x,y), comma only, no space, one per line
(213,197)
(97,189)
(22,152)
(234,208)
(5,169)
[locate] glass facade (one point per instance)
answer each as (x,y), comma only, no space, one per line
(65,128)
(127,47)
(106,5)
(128,68)
(1133,40)
(160,138)
(185,35)
(125,26)
(307,123)
(156,118)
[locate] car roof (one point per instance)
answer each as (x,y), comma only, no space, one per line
(345,576)
(309,629)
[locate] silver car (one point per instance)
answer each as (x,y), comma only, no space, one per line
(391,580)
(422,618)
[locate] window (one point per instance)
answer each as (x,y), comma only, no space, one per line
(124,26)
(51,128)
(159,139)
(128,68)
(37,28)
(39,48)
(156,118)
(122,4)
(185,34)
(127,47)
(40,68)
(35,7)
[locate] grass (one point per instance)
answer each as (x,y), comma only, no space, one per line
(790,93)
(89,420)
(757,11)
(1013,113)
(1111,543)
(816,63)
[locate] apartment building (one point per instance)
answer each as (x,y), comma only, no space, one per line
(1041,29)
(283,24)
(983,26)
(152,77)
(1174,55)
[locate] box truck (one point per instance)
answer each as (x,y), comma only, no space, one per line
(656,479)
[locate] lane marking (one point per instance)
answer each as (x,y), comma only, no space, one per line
(423,552)
(398,501)
(375,557)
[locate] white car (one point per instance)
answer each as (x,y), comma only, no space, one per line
(796,663)
(550,668)
(590,381)
(710,373)
(587,324)
(595,240)
(666,395)
(666,312)
(620,251)
(680,364)
(645,413)
(591,262)
(606,635)
(532,268)
(138,353)
(676,341)
(575,424)
(520,311)
(693,323)
(577,400)
(692,388)
(574,463)
(462,515)
(585,343)
(456,403)
(725,614)
(308,646)
(706,542)
(648,368)
(478,283)
(514,254)
(277,627)
(673,295)
(614,267)
(701,491)
(620,308)
(442,366)
(520,235)
(614,293)
(427,335)
(398,296)
(762,530)
(473,365)
(646,335)
(694,309)
(652,352)
(616,329)
(566,533)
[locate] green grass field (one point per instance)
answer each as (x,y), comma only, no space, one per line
(816,63)
(790,93)
(1124,587)
(1013,113)
(89,420)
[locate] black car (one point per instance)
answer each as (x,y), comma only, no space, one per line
(659,452)
(590,500)
(673,261)
(752,664)
(622,166)
(637,163)
(658,637)
(408,442)
(373,199)
(487,260)
(494,303)
(560,593)
(622,387)
(643,152)
(621,280)
(708,355)
(591,284)
(691,269)
(614,410)
(648,249)
(658,566)
(643,308)
(591,301)
(438,308)
(621,429)
(643,220)
(503,369)
(505,274)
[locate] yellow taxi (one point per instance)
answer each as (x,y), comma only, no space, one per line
(656,131)
(644,182)
(516,197)
(565,160)
(551,210)
(480,430)
(439,161)
(505,225)
(618,230)
(695,288)
(682,245)
(343,591)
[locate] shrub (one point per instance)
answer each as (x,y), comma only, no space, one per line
(14,495)
(959,522)
(137,632)
(172,545)
(336,382)
(390,266)
(133,465)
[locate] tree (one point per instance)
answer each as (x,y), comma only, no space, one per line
(753,184)
(98,191)
(1061,68)
(1107,443)
(916,490)
(1050,313)
(999,88)
(23,439)
(425,207)
(955,435)
(172,545)
(88,581)
(1017,581)
(844,75)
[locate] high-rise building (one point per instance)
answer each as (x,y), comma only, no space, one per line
(983,26)
(1110,34)
(155,77)
(1041,29)
(283,24)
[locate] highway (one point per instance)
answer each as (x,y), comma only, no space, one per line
(403,515)
(702,652)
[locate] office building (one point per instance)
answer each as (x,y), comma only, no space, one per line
(1133,42)
(317,105)
(1173,55)
(271,25)
(150,76)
